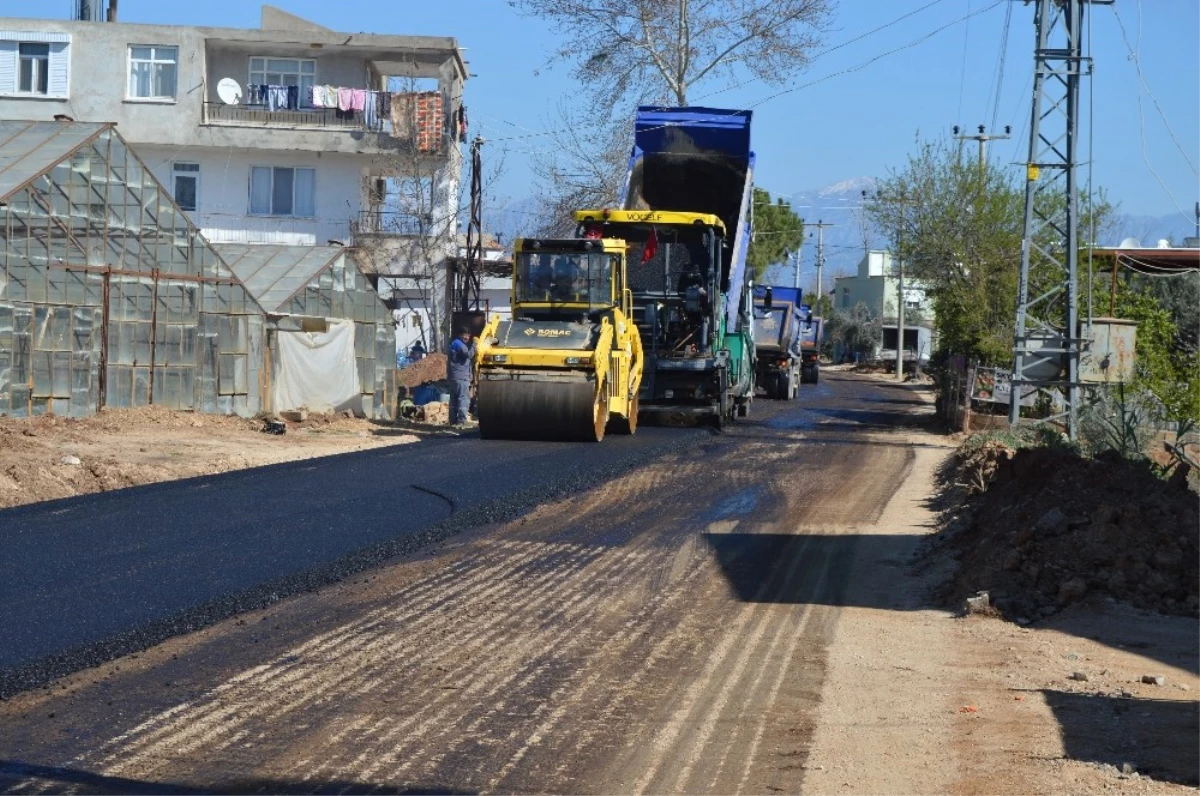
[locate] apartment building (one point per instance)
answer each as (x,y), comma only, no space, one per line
(228,119)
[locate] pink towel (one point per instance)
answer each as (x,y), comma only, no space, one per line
(358,99)
(344,99)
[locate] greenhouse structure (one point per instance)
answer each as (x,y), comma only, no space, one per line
(111,297)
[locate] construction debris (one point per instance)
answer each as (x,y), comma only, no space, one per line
(1042,528)
(429,369)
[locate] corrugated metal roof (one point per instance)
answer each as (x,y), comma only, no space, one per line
(28,149)
(273,273)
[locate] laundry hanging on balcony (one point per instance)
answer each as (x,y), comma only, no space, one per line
(275,98)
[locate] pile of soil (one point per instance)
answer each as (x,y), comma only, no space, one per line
(1052,527)
(431,368)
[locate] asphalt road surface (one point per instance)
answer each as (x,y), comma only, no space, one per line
(659,628)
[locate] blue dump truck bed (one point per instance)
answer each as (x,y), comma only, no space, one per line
(695,160)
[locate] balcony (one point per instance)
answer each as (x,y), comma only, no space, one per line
(219,113)
(388,222)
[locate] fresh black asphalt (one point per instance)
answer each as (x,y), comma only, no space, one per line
(88,578)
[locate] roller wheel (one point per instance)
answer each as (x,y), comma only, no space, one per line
(600,414)
(626,425)
(542,410)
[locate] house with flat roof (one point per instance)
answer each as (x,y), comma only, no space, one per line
(877,285)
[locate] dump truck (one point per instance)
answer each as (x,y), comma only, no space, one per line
(685,212)
(811,328)
(779,318)
(568,364)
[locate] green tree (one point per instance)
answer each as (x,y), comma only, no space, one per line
(1168,371)
(958,225)
(859,330)
(777,231)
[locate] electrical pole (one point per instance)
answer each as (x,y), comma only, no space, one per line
(982,137)
(796,263)
(1046,342)
(900,303)
(820,225)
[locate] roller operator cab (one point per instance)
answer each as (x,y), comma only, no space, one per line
(568,364)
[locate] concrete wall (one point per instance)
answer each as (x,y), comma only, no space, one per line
(224,198)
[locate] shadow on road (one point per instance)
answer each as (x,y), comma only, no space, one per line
(782,568)
(1156,736)
(55,779)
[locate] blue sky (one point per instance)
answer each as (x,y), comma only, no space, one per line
(859,123)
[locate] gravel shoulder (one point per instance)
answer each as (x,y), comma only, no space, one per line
(918,699)
(47,458)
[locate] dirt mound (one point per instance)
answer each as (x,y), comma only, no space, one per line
(431,368)
(1053,527)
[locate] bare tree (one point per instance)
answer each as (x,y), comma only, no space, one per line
(584,168)
(661,49)
(413,225)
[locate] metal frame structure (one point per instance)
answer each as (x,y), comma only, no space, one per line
(1047,322)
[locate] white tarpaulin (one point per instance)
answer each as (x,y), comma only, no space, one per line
(316,370)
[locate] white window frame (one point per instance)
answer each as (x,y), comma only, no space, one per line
(273,214)
(39,71)
(258,76)
(193,173)
(154,61)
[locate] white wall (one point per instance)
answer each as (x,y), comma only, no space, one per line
(224,198)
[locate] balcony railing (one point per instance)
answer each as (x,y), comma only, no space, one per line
(387,222)
(261,116)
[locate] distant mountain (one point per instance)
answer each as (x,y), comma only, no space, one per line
(837,204)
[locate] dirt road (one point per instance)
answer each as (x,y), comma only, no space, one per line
(680,628)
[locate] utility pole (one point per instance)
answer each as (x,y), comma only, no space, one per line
(903,202)
(983,137)
(796,263)
(1047,338)
(820,225)
(900,303)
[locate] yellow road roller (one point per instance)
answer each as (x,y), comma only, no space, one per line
(568,364)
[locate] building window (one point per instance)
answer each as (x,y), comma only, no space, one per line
(34,74)
(282,191)
(185,180)
(845,297)
(283,72)
(152,72)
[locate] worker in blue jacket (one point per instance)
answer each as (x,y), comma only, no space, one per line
(462,355)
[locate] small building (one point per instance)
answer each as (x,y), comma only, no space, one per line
(109,295)
(877,286)
(329,338)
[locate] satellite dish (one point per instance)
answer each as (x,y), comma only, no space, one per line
(229,91)
(1130,243)
(1164,243)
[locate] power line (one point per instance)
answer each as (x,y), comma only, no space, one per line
(1144,88)
(849,70)
(998,83)
(824,52)
(865,64)
(962,74)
